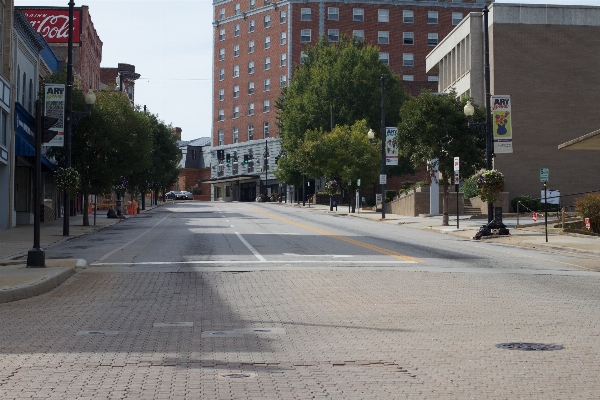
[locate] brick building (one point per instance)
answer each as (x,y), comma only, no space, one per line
(258,43)
(543,56)
(53,22)
(121,78)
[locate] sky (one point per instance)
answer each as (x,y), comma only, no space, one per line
(170,44)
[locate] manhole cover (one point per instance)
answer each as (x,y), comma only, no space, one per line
(529,346)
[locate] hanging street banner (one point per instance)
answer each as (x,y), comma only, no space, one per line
(501,124)
(54,106)
(391,149)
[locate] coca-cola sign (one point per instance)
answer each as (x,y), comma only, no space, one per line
(54,24)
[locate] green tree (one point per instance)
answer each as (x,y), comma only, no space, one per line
(344,155)
(339,81)
(433,126)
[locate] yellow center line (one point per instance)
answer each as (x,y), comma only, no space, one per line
(345,239)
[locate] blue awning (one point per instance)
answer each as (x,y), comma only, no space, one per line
(24,149)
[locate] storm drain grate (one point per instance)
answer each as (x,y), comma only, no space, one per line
(529,346)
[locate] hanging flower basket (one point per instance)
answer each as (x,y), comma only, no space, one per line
(489,185)
(67,179)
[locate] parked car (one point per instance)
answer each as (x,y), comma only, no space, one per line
(173,195)
(187,195)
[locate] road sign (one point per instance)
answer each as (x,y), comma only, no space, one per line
(587,224)
(456,164)
(358,182)
(382,179)
(456,178)
(544,175)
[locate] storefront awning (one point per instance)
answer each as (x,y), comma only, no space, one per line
(230,179)
(24,149)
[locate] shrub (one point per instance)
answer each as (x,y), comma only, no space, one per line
(195,190)
(489,185)
(589,207)
(528,203)
(469,187)
(390,194)
(370,202)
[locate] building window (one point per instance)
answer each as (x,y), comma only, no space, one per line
(236,111)
(267,21)
(3,128)
(221,115)
(383,37)
(432,39)
(222,14)
(408,17)
(456,18)
(236,30)
(283,38)
(236,50)
(408,38)
(235,135)
(221,94)
(358,35)
(432,17)
(250,132)
(221,35)
(266,106)
(250,109)
(221,74)
(333,35)
(267,42)
(408,78)
(408,60)
(251,26)
(302,57)
(283,17)
(236,9)
(383,15)
(432,78)
(221,137)
(236,91)
(333,13)
(221,54)
(282,81)
(236,71)
(252,4)
(266,129)
(358,15)
(267,2)
(282,59)
(384,58)
(305,36)
(250,166)
(305,14)
(267,84)
(251,67)
(250,88)
(251,47)
(267,63)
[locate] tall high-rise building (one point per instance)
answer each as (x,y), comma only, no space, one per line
(258,43)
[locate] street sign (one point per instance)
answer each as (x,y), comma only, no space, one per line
(587,224)
(456,164)
(358,182)
(456,178)
(544,175)
(382,179)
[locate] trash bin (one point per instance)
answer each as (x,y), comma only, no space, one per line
(334,203)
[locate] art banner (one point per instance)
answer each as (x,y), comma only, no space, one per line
(391,148)
(54,106)
(501,124)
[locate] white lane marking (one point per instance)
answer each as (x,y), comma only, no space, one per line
(131,241)
(254,262)
(318,255)
(231,226)
(249,246)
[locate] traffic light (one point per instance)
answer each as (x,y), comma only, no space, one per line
(228,158)
(220,155)
(245,158)
(47,123)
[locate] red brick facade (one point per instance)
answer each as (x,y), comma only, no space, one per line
(231,49)
(188,177)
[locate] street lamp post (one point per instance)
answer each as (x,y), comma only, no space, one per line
(484,128)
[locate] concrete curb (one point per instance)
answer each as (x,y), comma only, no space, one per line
(36,288)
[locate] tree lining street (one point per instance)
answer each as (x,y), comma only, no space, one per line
(176,305)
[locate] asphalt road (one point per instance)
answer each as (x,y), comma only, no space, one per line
(231,300)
